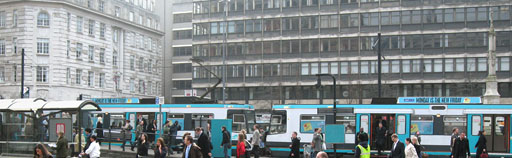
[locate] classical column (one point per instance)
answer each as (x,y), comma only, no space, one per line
(491,95)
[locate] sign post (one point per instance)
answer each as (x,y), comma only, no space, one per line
(160,101)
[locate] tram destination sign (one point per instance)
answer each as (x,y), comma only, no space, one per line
(439,100)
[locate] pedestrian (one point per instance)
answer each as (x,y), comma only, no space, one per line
(88,138)
(410,151)
(461,147)
(152,128)
(295,146)
(240,147)
(481,145)
(174,133)
(209,131)
(361,130)
(226,141)
(41,152)
(397,151)
(62,146)
(417,146)
(322,154)
(362,149)
(142,146)
(191,150)
(418,136)
(256,141)
(143,120)
(318,142)
(138,132)
(380,137)
(183,140)
(161,150)
(455,135)
(94,149)
(203,143)
(99,129)
(243,131)
(127,134)
(76,150)
(167,135)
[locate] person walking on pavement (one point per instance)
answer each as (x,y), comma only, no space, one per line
(397,151)
(88,138)
(361,130)
(295,146)
(256,141)
(461,147)
(318,142)
(144,122)
(481,145)
(99,130)
(167,135)
(174,133)
(160,150)
(455,135)
(62,146)
(240,147)
(362,149)
(41,152)
(418,136)
(191,150)
(94,149)
(226,141)
(138,132)
(151,130)
(410,151)
(417,146)
(127,134)
(142,146)
(77,151)
(203,143)
(380,137)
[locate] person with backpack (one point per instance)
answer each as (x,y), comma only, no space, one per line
(226,141)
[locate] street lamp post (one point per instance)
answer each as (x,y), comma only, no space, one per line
(319,83)
(225,50)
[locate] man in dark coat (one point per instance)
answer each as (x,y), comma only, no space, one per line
(398,148)
(173,134)
(361,131)
(191,150)
(144,124)
(203,143)
(62,146)
(380,137)
(461,147)
(295,146)
(88,138)
(99,130)
(226,141)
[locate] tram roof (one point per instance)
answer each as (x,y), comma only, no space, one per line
(394,106)
(34,104)
(244,106)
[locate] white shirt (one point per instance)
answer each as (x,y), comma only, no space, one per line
(188,150)
(394,145)
(94,150)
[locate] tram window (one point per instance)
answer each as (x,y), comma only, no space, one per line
(499,126)
(349,122)
(422,123)
(487,125)
(277,125)
(309,122)
(238,122)
(201,120)
(451,122)
(475,122)
(176,117)
(401,124)
(116,121)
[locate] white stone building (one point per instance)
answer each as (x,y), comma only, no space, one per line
(99,48)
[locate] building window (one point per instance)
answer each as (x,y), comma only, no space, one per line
(15,45)
(115,36)
(132,62)
(102,80)
(438,65)
(78,77)
(79,24)
(130,16)
(2,74)
(91,53)
(183,34)
(406,66)
(459,65)
(43,46)
(102,55)
(471,64)
(2,47)
(90,3)
(68,48)
(182,68)
(448,65)
(482,64)
(103,29)
(504,64)
(182,18)
(416,66)
(185,84)
(42,74)
(68,21)
(15,18)
(116,82)
(78,50)
(43,19)
(182,51)
(132,85)
(68,75)
(117,11)
(150,65)
(3,18)
(141,19)
(101,5)
(385,66)
(92,24)
(427,65)
(141,64)
(90,79)
(142,87)
(114,59)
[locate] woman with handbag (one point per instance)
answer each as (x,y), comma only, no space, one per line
(240,146)
(481,145)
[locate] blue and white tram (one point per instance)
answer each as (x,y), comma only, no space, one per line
(433,122)
(189,116)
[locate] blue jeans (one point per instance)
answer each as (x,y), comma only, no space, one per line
(227,147)
(313,154)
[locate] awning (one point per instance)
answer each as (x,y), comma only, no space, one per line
(71,105)
(27,105)
(34,104)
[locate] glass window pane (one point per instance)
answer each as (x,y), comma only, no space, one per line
(448,65)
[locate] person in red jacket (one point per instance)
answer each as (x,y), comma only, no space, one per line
(240,146)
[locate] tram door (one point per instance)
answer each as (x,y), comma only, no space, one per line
(388,121)
(497,128)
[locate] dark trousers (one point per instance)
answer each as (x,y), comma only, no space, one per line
(256,151)
(479,151)
(380,146)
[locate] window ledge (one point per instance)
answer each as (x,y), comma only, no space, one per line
(39,54)
(42,26)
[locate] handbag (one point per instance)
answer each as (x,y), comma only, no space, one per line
(484,155)
(324,147)
(424,155)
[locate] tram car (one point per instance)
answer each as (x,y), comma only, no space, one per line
(433,122)
(189,116)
